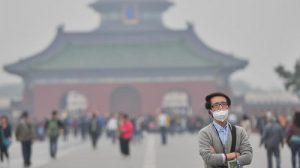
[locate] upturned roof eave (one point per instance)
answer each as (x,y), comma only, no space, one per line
(229,61)
(19,68)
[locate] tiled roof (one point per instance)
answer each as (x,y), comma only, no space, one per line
(114,56)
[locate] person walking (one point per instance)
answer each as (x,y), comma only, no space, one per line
(126,132)
(139,126)
(5,140)
(25,133)
(293,138)
(112,128)
(272,137)
(94,130)
(54,126)
(246,124)
(163,126)
(222,144)
(83,122)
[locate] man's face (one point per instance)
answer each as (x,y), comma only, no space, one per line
(3,120)
(55,116)
(218,103)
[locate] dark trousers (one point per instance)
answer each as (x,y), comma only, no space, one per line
(276,152)
(124,146)
(26,151)
(53,146)
(295,148)
(163,134)
(3,152)
(113,136)
(94,138)
(294,155)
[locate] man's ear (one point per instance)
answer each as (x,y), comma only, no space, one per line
(211,117)
(209,112)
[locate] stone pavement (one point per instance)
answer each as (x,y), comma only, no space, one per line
(40,154)
(180,152)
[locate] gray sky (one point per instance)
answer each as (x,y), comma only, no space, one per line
(266,32)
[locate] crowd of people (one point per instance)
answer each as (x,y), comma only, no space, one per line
(121,128)
(118,127)
(276,131)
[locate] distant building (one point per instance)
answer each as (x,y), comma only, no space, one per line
(258,103)
(130,63)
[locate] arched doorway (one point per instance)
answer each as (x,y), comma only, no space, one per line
(177,102)
(73,103)
(125,99)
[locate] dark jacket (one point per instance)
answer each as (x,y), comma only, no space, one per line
(5,133)
(25,131)
(272,135)
(292,130)
(94,126)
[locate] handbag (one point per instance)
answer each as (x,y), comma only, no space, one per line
(6,141)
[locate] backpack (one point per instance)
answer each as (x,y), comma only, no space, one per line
(53,128)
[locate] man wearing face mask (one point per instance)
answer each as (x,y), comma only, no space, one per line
(222,144)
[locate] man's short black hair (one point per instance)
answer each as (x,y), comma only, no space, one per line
(210,96)
(54,113)
(296,119)
(24,114)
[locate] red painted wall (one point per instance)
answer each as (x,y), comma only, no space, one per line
(46,97)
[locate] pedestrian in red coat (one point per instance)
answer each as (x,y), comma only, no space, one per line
(126,132)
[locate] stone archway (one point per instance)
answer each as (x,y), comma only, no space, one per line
(177,102)
(73,103)
(126,99)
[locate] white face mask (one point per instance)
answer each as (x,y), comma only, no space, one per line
(220,115)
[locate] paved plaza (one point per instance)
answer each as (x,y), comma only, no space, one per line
(180,152)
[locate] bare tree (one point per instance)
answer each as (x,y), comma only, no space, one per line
(291,79)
